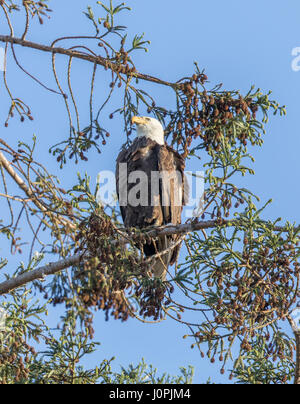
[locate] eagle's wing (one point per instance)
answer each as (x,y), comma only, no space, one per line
(173,191)
(120,185)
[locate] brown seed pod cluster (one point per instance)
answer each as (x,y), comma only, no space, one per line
(207,117)
(248,294)
(278,359)
(15,356)
(19,107)
(224,202)
(151,295)
(104,278)
(259,292)
(113,275)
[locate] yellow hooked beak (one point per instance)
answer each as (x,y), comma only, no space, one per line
(139,120)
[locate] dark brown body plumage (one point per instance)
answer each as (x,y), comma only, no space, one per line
(148,156)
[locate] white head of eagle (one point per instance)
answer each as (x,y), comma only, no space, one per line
(150,128)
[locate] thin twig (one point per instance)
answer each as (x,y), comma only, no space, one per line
(14,175)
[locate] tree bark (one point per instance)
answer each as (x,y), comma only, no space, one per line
(38,273)
(297,371)
(99,60)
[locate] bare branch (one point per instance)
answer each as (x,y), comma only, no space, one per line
(99,60)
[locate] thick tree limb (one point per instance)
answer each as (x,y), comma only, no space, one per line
(195,226)
(99,60)
(38,273)
(53,268)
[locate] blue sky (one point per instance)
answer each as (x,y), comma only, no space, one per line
(239,43)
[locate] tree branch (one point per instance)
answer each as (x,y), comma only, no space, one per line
(195,226)
(99,60)
(167,230)
(19,181)
(39,273)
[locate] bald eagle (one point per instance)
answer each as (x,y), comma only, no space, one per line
(152,189)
